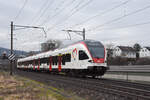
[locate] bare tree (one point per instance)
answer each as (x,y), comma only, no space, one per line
(137,48)
(109,48)
(50,45)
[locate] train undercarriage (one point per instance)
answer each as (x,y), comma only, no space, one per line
(91,71)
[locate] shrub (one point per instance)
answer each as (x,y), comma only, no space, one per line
(143,61)
(118,61)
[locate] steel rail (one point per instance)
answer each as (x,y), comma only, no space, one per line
(97,86)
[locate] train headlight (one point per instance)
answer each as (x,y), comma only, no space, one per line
(91,61)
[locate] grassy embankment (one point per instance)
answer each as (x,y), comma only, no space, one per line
(20,88)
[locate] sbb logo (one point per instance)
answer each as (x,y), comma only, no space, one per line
(74,54)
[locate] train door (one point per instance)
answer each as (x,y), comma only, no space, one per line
(83,59)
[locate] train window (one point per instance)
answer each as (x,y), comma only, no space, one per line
(36,62)
(19,63)
(68,57)
(83,55)
(44,60)
(55,60)
(41,61)
(30,62)
(33,62)
(23,63)
(47,60)
(26,63)
(63,60)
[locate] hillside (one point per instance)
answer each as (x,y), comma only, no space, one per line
(17,52)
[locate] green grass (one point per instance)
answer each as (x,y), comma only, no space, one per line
(46,91)
(43,90)
(1,98)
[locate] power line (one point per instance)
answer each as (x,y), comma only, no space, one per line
(119,18)
(100,14)
(23,6)
(38,13)
(128,26)
(40,10)
(63,10)
(48,8)
(81,7)
(78,5)
(60,22)
(56,14)
(44,10)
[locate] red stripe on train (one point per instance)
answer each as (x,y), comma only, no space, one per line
(50,64)
(98,60)
(38,65)
(59,63)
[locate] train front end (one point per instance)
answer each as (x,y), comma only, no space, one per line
(97,63)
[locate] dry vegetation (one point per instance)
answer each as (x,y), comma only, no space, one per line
(15,88)
(20,88)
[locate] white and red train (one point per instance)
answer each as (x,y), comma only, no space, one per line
(87,57)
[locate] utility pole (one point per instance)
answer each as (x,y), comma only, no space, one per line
(18,27)
(11,61)
(81,33)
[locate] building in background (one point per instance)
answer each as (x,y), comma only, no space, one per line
(124,52)
(145,52)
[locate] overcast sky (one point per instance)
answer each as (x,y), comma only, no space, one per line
(121,22)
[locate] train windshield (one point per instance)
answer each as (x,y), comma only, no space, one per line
(96,49)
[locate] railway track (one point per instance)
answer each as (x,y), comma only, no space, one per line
(95,89)
(129,84)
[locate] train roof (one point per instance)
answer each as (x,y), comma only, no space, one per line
(75,42)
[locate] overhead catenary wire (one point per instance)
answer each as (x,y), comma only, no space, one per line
(40,10)
(44,11)
(119,18)
(47,20)
(80,8)
(127,26)
(100,14)
(21,9)
(47,7)
(78,5)
(74,8)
